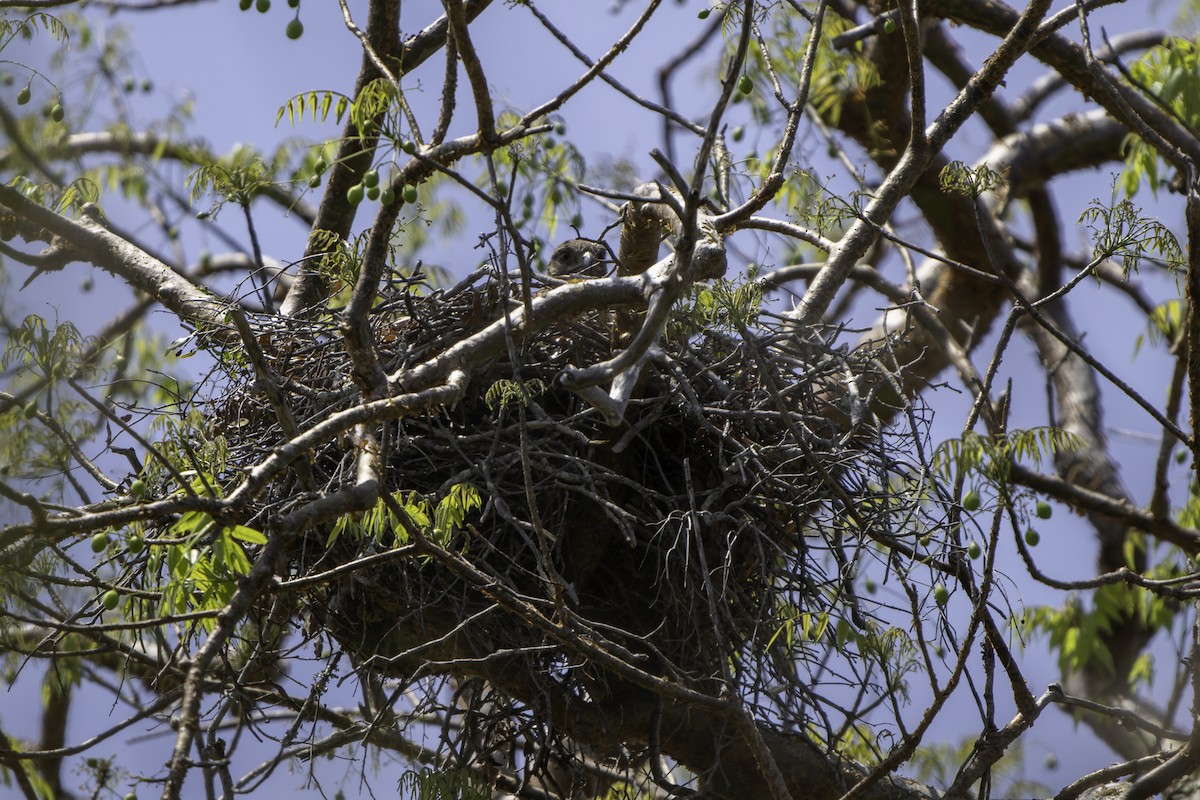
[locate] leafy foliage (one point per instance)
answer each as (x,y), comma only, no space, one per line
(1121,231)
(408,515)
(969,181)
(732,306)
(502,393)
(1167,73)
(990,457)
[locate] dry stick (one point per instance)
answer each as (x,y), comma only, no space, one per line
(150,449)
(353,158)
(449,97)
(568,299)
(1160,504)
(7,753)
(1166,529)
(1068,58)
(262,289)
(1108,88)
(1123,715)
(911,30)
(256,582)
(118,256)
(544,538)
(676,271)
(1186,759)
(388,408)
(8,401)
(607,654)
(1192,215)
(383,69)
(1107,775)
(1042,88)
(912,164)
(594,69)
(901,754)
(485,118)
(267,382)
(667,71)
(106,514)
(769,188)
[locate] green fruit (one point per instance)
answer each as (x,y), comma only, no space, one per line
(24,95)
(110,599)
(871,586)
(244,5)
(889,26)
(99,542)
(408,146)
(970,501)
(147,86)
(1032,537)
(1044,511)
(926,540)
(135,544)
(56,112)
(560,128)
(370,178)
(314,181)
(941,595)
(293,3)
(974,550)
(263,6)
(30,410)
(373,192)
(295,29)
(138,487)
(387,196)
(745,85)
(704,12)
(320,166)
(354,195)
(410,194)
(129,84)
(739,133)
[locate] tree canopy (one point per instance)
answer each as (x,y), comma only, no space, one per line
(717,410)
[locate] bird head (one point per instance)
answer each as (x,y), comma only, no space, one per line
(579,257)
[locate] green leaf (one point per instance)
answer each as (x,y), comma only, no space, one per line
(248,535)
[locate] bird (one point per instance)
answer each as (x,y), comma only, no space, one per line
(579,257)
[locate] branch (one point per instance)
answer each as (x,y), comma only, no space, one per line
(854,245)
(94,242)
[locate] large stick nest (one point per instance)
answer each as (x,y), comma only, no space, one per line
(685,536)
